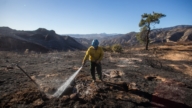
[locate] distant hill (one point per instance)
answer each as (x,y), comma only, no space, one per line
(128,38)
(172,34)
(169,34)
(92,36)
(41,40)
(84,41)
(87,41)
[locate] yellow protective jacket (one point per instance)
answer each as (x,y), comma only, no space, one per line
(93,54)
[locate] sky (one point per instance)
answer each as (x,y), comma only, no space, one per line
(91,16)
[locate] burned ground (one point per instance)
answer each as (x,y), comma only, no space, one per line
(160,77)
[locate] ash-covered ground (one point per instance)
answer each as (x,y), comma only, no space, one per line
(160,78)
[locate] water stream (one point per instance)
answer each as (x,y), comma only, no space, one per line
(62,88)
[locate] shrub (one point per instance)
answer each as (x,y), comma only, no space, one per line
(107,48)
(117,48)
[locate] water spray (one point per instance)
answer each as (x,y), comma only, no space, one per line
(63,87)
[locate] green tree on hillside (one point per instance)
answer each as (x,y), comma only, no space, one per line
(145,26)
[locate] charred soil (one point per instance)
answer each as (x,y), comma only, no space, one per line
(160,77)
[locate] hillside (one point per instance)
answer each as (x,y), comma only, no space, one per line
(121,39)
(84,41)
(171,34)
(40,40)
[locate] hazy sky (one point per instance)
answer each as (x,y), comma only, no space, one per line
(91,16)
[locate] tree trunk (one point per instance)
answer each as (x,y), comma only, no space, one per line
(147,39)
(147,43)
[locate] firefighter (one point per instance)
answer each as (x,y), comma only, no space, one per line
(95,55)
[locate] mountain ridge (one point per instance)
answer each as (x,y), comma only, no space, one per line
(169,34)
(47,40)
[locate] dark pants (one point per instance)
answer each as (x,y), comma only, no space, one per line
(98,68)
